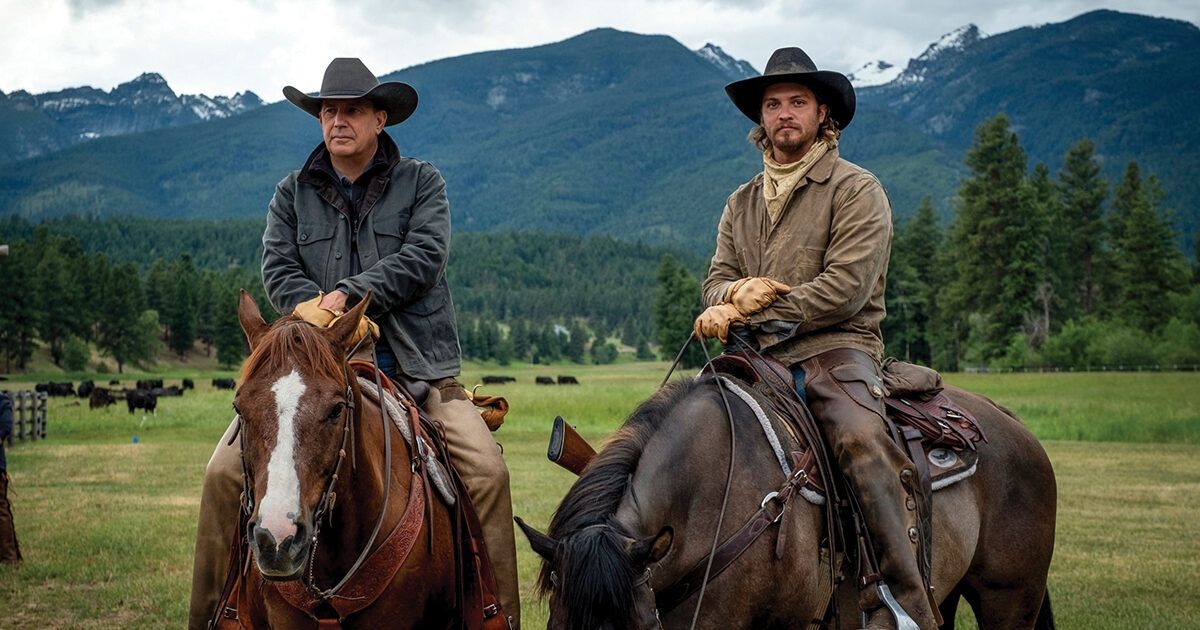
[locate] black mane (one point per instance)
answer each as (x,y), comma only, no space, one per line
(596,495)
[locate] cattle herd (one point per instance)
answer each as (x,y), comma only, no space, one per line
(144,395)
(563,379)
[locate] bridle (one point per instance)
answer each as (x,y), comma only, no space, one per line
(329,495)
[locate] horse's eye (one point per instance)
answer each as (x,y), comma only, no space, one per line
(335,414)
(236,410)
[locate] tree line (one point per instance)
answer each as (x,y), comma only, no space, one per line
(1041,270)
(70,300)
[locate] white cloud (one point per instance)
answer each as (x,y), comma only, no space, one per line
(225,46)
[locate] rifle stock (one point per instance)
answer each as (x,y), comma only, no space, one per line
(567,448)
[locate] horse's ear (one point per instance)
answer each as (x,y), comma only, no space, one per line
(251,318)
(652,549)
(343,329)
(541,543)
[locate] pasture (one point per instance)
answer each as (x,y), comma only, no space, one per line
(107,525)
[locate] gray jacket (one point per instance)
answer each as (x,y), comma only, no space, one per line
(403,241)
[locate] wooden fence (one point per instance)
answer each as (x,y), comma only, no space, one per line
(29,416)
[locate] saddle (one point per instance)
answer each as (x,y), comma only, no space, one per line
(938,435)
(476,586)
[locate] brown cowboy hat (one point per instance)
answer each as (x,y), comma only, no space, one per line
(792,65)
(347,78)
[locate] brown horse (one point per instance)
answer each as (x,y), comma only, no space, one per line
(644,512)
(314,506)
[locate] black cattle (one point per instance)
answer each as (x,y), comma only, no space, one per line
(224,383)
(150,383)
(491,379)
(141,399)
(115,382)
(173,390)
(567,380)
(100,397)
(544,380)
(188,384)
(85,389)
(56,389)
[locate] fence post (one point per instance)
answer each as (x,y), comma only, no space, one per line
(20,409)
(41,404)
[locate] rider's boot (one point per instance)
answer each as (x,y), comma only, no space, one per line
(845,395)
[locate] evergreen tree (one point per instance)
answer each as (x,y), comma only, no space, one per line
(182,318)
(996,241)
(58,299)
(912,282)
(18,318)
(518,336)
(227,330)
(1044,202)
(577,339)
(676,306)
(1147,263)
(158,283)
(604,352)
(642,351)
(1077,232)
(120,331)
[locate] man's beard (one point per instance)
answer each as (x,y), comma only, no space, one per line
(789,143)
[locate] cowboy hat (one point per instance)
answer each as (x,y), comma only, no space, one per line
(347,78)
(792,65)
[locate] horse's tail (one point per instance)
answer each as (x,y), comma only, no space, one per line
(602,577)
(1045,618)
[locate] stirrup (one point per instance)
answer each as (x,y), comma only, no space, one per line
(902,619)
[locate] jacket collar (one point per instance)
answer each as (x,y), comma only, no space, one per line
(823,169)
(319,165)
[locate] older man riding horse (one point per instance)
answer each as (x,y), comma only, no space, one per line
(340,513)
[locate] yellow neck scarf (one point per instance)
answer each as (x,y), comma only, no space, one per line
(779,180)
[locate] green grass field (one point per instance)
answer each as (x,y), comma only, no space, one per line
(107,525)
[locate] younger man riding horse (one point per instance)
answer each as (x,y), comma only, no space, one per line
(802,252)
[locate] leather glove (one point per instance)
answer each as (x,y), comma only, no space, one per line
(751,295)
(715,321)
(365,327)
(310,312)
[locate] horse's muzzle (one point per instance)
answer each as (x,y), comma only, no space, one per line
(279,561)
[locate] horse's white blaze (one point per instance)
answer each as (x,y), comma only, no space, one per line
(281,505)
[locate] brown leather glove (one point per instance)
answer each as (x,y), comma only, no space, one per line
(365,327)
(715,321)
(310,312)
(751,295)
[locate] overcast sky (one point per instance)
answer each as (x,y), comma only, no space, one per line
(226,46)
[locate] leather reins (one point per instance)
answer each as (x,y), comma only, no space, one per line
(329,496)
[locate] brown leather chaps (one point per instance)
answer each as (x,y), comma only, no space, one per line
(10,551)
(845,394)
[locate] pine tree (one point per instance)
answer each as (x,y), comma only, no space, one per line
(676,306)
(518,335)
(577,339)
(227,329)
(996,241)
(1147,263)
(18,318)
(58,300)
(1077,234)
(121,319)
(913,279)
(182,319)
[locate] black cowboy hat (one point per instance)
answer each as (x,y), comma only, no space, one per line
(347,78)
(792,65)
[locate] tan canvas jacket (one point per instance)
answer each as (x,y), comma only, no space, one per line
(831,244)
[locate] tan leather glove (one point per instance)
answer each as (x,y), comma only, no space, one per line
(310,312)
(715,321)
(751,295)
(365,327)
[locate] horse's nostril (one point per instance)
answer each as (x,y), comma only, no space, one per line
(264,539)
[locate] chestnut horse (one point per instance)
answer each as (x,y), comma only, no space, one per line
(643,513)
(320,490)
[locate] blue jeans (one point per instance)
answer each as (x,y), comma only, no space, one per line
(385,360)
(798,374)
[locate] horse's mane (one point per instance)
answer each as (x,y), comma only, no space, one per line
(595,496)
(291,339)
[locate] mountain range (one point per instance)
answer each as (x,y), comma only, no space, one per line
(38,124)
(631,135)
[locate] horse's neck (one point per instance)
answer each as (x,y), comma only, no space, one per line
(360,496)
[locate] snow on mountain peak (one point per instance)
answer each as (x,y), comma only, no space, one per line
(733,68)
(874,73)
